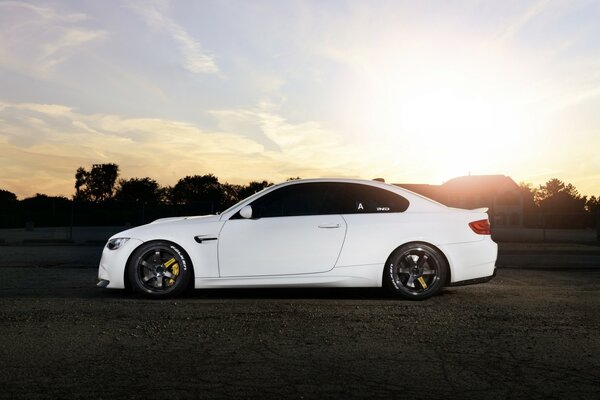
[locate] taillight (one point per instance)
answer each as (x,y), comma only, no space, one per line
(481,227)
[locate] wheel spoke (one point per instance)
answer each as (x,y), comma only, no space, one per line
(411,281)
(428,272)
(403,270)
(422,261)
(146,264)
(147,279)
(410,260)
(159,282)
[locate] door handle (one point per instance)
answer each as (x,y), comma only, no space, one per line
(329,226)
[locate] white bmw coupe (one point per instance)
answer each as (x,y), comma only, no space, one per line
(318,232)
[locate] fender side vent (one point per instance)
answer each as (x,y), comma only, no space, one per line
(201,239)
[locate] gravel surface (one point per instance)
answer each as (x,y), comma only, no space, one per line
(526,334)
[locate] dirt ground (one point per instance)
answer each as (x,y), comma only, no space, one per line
(527,334)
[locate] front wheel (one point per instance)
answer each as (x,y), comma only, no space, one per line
(415,271)
(159,270)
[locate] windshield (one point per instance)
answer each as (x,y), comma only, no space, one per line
(247,198)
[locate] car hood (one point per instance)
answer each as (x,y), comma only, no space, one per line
(202,218)
(156,228)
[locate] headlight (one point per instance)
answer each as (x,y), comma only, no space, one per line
(115,243)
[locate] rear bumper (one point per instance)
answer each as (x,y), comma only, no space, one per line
(475,281)
(472,260)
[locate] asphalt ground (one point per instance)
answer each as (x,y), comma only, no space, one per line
(526,334)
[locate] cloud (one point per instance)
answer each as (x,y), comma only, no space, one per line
(59,50)
(518,21)
(46,109)
(46,13)
(305,148)
(578,97)
(43,144)
(36,39)
(195,59)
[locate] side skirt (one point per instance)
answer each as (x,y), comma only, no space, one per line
(355,276)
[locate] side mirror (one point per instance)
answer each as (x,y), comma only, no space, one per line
(246,212)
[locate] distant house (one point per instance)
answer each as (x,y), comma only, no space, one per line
(499,193)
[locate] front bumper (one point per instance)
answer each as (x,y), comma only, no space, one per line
(114,262)
(103,283)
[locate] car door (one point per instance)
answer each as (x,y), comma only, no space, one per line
(293,230)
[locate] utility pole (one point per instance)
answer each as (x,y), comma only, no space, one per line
(598,225)
(71,220)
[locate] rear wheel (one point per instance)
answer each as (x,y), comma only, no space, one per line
(415,271)
(159,270)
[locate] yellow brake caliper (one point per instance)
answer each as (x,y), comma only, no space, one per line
(422,282)
(174,269)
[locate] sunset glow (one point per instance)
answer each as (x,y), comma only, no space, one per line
(415,92)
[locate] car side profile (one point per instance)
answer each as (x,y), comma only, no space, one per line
(308,233)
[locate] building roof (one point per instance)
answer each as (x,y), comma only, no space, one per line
(431,191)
(481,183)
(473,187)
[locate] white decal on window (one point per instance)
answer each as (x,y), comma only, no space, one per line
(360,206)
(383,209)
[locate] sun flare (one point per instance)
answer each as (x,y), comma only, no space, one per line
(457,114)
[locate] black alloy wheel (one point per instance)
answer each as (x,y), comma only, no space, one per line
(159,270)
(415,271)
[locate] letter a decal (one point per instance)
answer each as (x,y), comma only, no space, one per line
(360,206)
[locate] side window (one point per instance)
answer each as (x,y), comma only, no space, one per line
(321,198)
(369,199)
(293,200)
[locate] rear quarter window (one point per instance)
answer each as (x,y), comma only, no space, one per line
(370,200)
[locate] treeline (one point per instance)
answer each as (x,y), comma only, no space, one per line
(102,198)
(557,204)
(101,184)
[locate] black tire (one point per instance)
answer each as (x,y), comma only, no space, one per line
(415,271)
(159,270)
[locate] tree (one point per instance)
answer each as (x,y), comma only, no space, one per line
(528,191)
(231,194)
(592,205)
(98,184)
(561,205)
(7,197)
(164,194)
(198,188)
(530,208)
(46,210)
(138,190)
(9,209)
(253,187)
(552,188)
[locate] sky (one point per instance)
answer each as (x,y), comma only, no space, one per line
(413,92)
